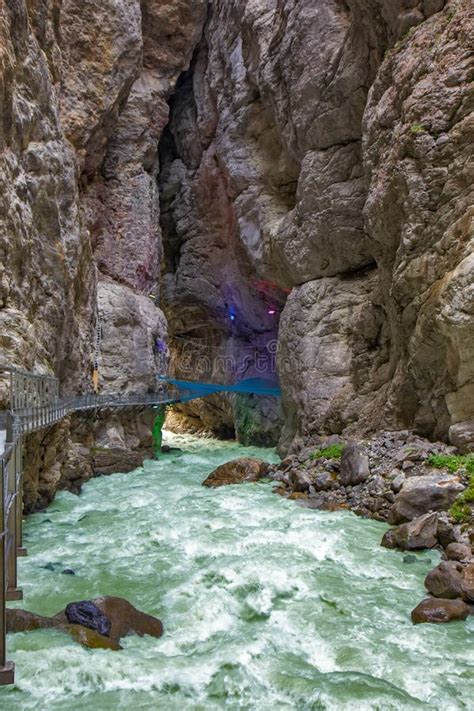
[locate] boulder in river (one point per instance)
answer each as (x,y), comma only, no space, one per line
(354,465)
(418,534)
(121,619)
(421,494)
(436,610)
(25,621)
(237,471)
(445,580)
(126,619)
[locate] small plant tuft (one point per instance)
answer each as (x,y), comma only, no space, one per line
(334,451)
(417,128)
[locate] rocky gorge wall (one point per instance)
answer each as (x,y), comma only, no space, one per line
(280,177)
(323,146)
(85,87)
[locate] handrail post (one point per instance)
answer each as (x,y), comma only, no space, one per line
(7,669)
(20,550)
(11,494)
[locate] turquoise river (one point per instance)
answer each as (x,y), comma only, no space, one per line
(266,605)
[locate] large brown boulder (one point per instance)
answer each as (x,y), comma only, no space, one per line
(237,471)
(445,580)
(437,610)
(458,551)
(123,619)
(418,534)
(421,494)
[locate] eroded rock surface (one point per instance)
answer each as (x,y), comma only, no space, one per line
(237,471)
(321,147)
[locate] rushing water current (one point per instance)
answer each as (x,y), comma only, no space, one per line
(266,605)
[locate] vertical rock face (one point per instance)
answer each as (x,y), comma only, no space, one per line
(85,87)
(417,130)
(47,287)
(322,146)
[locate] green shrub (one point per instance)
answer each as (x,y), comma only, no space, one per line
(334,451)
(461,510)
(453,462)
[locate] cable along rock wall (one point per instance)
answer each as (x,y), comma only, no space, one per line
(324,145)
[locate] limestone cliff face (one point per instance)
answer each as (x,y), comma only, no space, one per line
(85,87)
(323,146)
(47,280)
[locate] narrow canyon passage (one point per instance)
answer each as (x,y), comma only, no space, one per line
(272,199)
(266,605)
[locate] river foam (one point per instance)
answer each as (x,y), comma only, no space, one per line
(266,605)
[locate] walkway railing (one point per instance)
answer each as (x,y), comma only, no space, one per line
(11,518)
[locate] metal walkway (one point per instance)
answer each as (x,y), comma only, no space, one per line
(35,403)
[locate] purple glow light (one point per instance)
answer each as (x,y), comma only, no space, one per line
(271,312)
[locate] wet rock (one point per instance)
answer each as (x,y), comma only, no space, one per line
(458,551)
(324,481)
(237,471)
(438,610)
(91,638)
(87,614)
(300,480)
(445,580)
(422,494)
(49,566)
(467,583)
(354,465)
(68,571)
(415,535)
(127,619)
(24,621)
(408,559)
